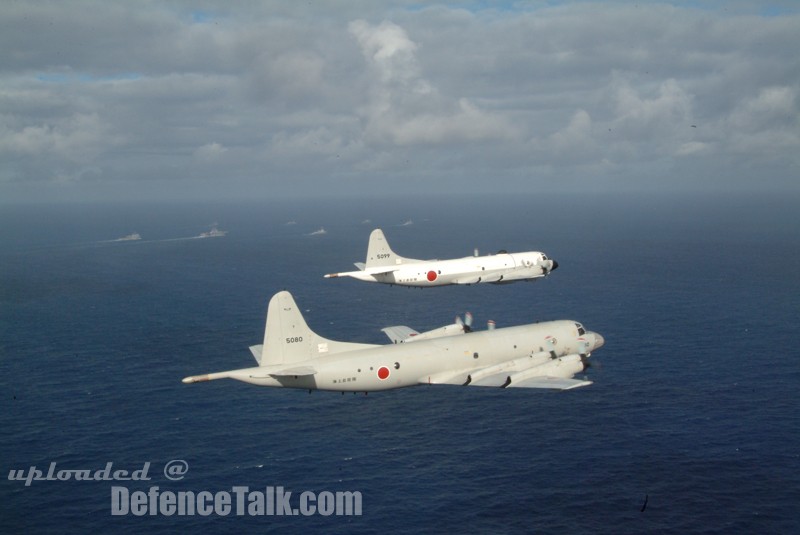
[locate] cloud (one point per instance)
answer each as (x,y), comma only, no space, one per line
(78,138)
(407,109)
(772,105)
(375,96)
(669,106)
(577,135)
(390,53)
(210,152)
(692,147)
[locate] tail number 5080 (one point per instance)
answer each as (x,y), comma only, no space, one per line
(294,339)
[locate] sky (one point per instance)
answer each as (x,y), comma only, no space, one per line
(117,100)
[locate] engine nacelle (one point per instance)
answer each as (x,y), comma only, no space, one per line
(510,366)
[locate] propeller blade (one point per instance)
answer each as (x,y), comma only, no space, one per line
(550,345)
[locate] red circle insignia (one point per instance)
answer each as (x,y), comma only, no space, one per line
(431,275)
(383,373)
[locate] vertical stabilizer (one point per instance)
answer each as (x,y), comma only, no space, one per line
(380,254)
(288,339)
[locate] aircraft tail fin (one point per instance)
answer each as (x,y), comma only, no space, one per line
(288,339)
(380,254)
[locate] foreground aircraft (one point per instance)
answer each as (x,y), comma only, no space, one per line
(540,355)
(384,265)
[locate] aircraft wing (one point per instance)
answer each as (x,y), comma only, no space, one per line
(506,375)
(399,333)
(506,380)
(472,279)
(555,383)
(446,378)
(499,380)
(365,273)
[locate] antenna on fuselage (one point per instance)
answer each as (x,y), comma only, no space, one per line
(466,323)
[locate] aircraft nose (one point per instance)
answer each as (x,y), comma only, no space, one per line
(555,266)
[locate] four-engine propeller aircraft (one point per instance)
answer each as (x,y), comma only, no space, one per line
(385,266)
(539,355)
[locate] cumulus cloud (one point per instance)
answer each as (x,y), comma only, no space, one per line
(405,108)
(577,135)
(77,138)
(390,53)
(772,105)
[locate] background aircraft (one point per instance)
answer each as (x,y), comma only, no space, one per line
(385,266)
(540,355)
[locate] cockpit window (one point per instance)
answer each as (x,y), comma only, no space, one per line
(544,256)
(581,330)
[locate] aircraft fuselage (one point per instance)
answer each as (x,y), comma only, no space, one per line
(448,360)
(385,266)
(498,269)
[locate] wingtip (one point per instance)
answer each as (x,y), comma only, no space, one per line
(195,379)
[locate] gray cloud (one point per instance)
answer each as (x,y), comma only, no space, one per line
(262,98)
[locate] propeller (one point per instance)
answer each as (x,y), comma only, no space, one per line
(466,323)
(547,270)
(583,348)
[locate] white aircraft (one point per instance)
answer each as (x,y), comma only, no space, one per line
(384,265)
(540,355)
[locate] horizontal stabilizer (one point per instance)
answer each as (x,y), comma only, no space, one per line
(361,266)
(296,371)
(554,383)
(381,270)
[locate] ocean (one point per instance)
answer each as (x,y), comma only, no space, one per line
(691,424)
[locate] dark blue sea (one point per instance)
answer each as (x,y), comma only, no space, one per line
(692,424)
